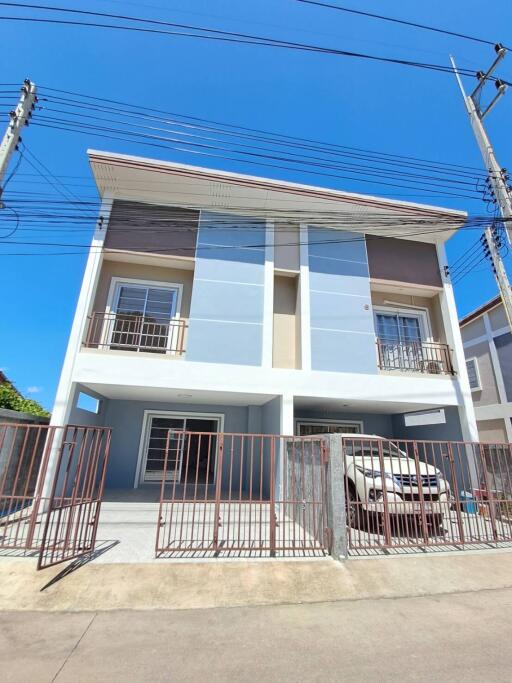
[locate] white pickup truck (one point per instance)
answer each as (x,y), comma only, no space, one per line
(383,479)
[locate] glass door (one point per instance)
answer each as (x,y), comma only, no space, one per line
(191,455)
(163,431)
(400,338)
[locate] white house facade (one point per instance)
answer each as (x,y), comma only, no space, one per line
(217,302)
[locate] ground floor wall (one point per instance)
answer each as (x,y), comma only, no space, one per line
(126,418)
(451,430)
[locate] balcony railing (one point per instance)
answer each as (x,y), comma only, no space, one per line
(430,358)
(130,332)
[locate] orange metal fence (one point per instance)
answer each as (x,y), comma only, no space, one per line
(242,493)
(131,332)
(406,494)
(51,483)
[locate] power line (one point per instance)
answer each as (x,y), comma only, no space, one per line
(140,110)
(381,17)
(209,34)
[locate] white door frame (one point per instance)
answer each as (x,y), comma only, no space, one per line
(421,313)
(113,299)
(144,437)
(314,421)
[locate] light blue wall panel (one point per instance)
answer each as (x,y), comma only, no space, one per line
(218,302)
(342,329)
(226,315)
(343,351)
(332,266)
(340,312)
(337,244)
(211,341)
(233,270)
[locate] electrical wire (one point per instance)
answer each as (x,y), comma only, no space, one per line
(381,17)
(205,33)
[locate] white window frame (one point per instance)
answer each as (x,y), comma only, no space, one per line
(421,313)
(319,423)
(474,359)
(113,299)
(144,439)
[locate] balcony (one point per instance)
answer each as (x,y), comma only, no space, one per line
(429,358)
(130,332)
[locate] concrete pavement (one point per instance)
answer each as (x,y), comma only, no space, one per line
(201,585)
(451,637)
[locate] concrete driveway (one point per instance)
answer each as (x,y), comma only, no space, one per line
(451,637)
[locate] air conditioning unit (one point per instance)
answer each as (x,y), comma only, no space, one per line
(433,367)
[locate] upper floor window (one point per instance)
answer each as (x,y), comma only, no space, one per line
(400,328)
(141,315)
(473,374)
(404,342)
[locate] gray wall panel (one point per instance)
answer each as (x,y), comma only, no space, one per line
(504,348)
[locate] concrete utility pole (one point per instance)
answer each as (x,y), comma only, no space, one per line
(19,117)
(497,175)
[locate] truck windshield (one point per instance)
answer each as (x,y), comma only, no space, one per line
(367,449)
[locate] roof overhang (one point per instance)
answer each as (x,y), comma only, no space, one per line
(478,312)
(121,176)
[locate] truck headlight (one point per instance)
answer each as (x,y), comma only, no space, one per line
(377,474)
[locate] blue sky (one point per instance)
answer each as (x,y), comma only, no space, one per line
(339,100)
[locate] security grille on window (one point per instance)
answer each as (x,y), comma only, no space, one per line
(473,374)
(143,316)
(401,340)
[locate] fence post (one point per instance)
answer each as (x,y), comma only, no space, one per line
(336,512)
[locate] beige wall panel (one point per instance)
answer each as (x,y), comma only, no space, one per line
(430,303)
(286,246)
(285,324)
(135,271)
(492,431)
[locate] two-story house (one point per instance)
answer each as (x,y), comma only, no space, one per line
(220,302)
(488,347)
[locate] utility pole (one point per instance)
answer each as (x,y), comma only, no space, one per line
(19,117)
(497,175)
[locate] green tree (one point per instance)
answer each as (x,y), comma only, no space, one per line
(11,399)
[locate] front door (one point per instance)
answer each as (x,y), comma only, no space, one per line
(178,436)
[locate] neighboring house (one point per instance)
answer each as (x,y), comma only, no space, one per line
(488,348)
(219,302)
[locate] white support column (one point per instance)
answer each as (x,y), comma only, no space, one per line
(287,415)
(268,297)
(454,340)
(500,383)
(66,388)
(305,309)
(61,408)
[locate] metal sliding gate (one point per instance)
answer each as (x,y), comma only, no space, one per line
(243,494)
(422,494)
(51,486)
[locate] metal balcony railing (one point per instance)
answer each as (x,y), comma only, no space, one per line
(430,358)
(130,332)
